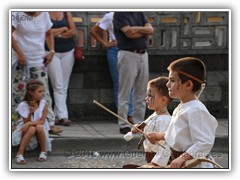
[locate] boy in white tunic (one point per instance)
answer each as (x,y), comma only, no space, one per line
(191,133)
(157,99)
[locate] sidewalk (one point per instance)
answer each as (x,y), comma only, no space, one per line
(106,136)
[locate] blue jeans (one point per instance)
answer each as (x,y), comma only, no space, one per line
(113,67)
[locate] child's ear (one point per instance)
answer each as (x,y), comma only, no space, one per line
(30,92)
(189,84)
(164,99)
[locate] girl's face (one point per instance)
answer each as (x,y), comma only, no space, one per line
(38,94)
(174,85)
(153,99)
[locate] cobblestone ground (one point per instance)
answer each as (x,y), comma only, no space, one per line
(95,160)
(82,160)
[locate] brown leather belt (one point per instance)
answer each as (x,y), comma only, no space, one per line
(149,156)
(135,51)
(174,154)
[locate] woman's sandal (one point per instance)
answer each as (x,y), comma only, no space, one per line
(20,159)
(64,121)
(42,156)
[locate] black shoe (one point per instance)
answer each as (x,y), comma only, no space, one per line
(124,130)
(130,119)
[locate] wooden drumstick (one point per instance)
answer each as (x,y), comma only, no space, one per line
(126,121)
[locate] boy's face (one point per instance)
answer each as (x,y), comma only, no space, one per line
(153,98)
(175,87)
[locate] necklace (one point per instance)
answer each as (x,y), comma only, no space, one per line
(152,120)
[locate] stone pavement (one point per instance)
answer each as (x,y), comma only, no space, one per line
(105,160)
(105,135)
(88,138)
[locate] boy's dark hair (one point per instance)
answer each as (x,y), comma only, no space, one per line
(161,84)
(190,68)
(32,86)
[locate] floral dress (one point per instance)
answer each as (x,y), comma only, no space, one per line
(19,82)
(23,111)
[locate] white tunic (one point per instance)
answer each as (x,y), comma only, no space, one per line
(157,123)
(192,130)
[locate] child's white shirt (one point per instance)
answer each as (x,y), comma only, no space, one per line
(192,129)
(23,110)
(157,123)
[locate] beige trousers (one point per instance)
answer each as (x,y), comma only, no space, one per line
(133,73)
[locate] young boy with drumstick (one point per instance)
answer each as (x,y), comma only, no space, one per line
(157,99)
(191,133)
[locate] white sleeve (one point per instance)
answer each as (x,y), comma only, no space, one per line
(161,158)
(48,21)
(104,23)
(202,129)
(23,110)
(15,17)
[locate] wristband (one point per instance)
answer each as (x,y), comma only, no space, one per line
(52,51)
(184,156)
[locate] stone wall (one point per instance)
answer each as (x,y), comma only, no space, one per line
(177,34)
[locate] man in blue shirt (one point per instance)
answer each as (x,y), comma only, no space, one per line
(131,30)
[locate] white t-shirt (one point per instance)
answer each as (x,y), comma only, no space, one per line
(106,24)
(23,110)
(157,123)
(192,129)
(30,36)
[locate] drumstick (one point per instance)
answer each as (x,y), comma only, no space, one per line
(126,121)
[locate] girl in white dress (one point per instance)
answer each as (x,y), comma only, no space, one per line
(191,133)
(32,126)
(157,99)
